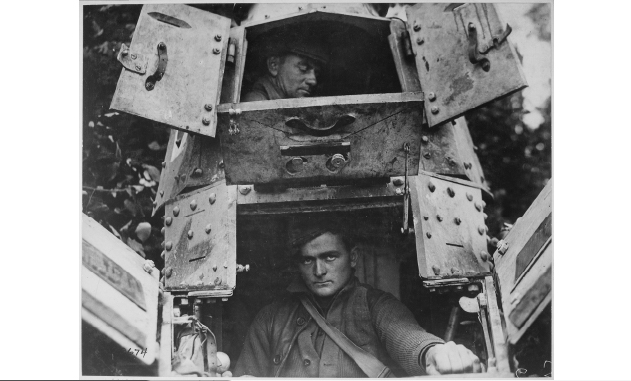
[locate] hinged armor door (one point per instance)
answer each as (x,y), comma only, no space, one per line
(463,57)
(523,262)
(449,227)
(201,240)
(184,52)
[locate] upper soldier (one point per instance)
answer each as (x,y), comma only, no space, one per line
(292,65)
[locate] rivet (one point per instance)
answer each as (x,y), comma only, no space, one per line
(161,46)
(436,270)
(193,205)
(457,220)
(300,8)
(478,207)
(168,221)
(426,218)
(431,186)
(218,37)
(431,97)
(155,203)
(217,281)
(176,211)
(162,244)
(481,230)
(428,234)
(427,155)
(398,191)
(208,107)
(162,230)
(417,27)
(482,179)
(212,198)
(420,41)
(266,16)
(190,234)
(216,51)
(483,204)
(469,196)
(485,216)
(451,192)
(133,56)
(214,267)
(502,247)
(484,255)
(169,245)
(225,265)
(197,172)
(425,139)
(163,254)
(207,229)
(397,182)
(124,53)
(245,189)
(169,272)
(161,193)
(450,160)
(164,164)
(439,218)
(206,121)
(435,110)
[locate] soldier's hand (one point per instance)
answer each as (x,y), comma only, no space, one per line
(451,358)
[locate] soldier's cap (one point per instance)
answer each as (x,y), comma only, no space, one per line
(302,44)
(305,229)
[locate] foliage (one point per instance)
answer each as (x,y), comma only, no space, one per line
(121,153)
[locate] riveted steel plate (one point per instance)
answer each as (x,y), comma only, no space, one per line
(200,240)
(374,128)
(191,161)
(449,228)
(524,271)
(194,68)
(451,83)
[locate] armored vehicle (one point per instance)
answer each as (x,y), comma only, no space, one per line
(382,147)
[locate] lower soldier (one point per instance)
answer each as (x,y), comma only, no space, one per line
(298,335)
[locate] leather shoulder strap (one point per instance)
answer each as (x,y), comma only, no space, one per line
(368,363)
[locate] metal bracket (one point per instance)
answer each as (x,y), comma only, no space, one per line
(132,61)
(497,41)
(163,59)
(406,193)
(475,52)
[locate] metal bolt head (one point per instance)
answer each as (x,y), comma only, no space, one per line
(206,121)
(207,229)
(161,193)
(469,196)
(155,203)
(473,288)
(163,230)
(427,155)
(428,234)
(125,52)
(168,220)
(398,191)
(176,211)
(338,160)
(439,218)
(208,107)
(478,207)
(133,56)
(197,172)
(425,139)
(436,270)
(190,234)
(426,218)
(216,51)
(217,281)
(161,46)
(169,245)
(138,67)
(484,255)
(431,186)
(245,189)
(471,26)
(457,220)
(193,205)
(417,27)
(435,110)
(169,272)
(481,230)
(218,37)
(420,41)
(502,247)
(163,254)
(164,164)
(431,97)
(451,192)
(148,85)
(485,216)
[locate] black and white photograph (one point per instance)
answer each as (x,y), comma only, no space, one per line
(332,190)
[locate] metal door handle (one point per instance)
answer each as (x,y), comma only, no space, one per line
(300,124)
(163,59)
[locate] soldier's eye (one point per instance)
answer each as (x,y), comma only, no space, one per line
(331,258)
(307,261)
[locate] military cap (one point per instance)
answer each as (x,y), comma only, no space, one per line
(303,44)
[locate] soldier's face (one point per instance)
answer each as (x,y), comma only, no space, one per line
(295,75)
(325,264)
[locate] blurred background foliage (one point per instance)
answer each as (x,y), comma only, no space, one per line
(122,154)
